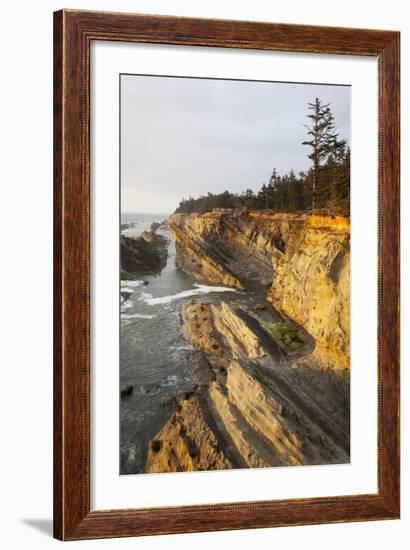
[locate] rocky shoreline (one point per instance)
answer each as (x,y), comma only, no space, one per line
(273,382)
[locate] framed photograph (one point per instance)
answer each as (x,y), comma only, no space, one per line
(226,275)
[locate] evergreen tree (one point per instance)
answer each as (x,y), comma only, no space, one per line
(293,185)
(323,140)
(263,198)
(301,191)
(272,191)
(343,184)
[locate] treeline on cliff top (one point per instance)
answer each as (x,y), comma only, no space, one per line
(325,187)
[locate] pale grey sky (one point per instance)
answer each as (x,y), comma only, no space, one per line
(187,136)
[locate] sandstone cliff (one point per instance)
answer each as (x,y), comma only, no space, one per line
(303,262)
(311,284)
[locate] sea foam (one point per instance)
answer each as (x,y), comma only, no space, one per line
(200,289)
(130,286)
(137,316)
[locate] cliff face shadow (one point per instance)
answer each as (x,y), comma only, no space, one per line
(45,526)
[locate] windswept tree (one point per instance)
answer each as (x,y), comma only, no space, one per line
(324,140)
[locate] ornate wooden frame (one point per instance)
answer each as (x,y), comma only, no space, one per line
(73,33)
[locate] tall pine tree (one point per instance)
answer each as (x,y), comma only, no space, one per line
(323,140)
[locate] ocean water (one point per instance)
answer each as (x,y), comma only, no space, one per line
(153,354)
(141,222)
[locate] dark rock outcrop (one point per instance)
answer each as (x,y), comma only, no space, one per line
(127,390)
(145,255)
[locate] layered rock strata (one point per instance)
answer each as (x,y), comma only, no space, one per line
(250,408)
(272,388)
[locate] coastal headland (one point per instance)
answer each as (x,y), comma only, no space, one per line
(272,369)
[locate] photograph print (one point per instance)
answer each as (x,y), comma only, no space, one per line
(235,274)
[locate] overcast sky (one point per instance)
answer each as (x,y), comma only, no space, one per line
(186,136)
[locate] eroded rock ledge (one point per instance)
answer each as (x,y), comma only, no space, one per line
(255,404)
(303,261)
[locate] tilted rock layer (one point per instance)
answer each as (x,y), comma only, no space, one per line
(250,408)
(302,260)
